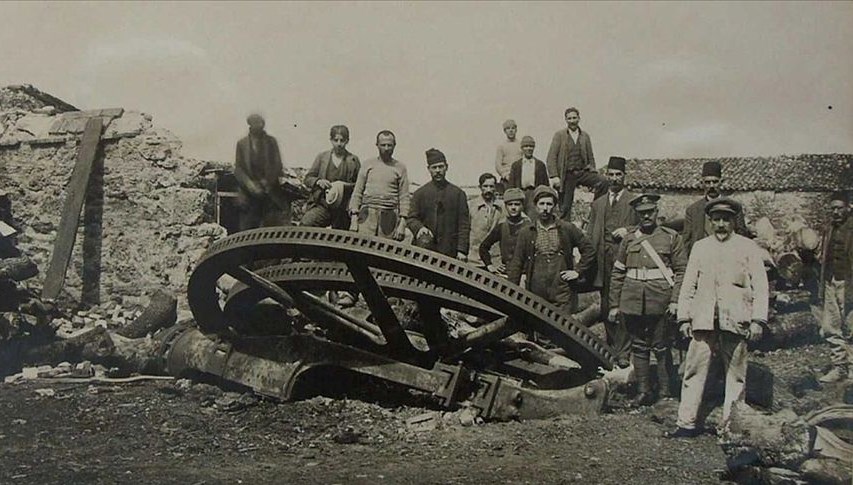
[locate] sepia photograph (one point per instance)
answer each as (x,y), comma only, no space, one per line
(426,242)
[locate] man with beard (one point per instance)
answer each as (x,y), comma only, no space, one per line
(380,200)
(486,212)
(333,172)
(528,173)
(544,254)
(571,163)
(722,304)
(836,270)
(647,274)
(696,226)
(257,167)
(505,232)
(439,213)
(610,219)
(508,152)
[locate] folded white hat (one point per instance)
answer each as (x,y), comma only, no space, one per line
(335,194)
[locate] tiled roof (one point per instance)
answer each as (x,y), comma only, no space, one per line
(806,173)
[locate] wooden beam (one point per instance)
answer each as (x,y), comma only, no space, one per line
(75,195)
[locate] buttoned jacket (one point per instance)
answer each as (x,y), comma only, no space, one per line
(726,281)
(624,216)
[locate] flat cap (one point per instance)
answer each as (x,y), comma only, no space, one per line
(528,140)
(542,191)
(513,194)
(723,204)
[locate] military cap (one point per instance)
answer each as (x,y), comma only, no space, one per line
(513,194)
(527,140)
(712,169)
(434,156)
(723,204)
(542,191)
(616,163)
(644,202)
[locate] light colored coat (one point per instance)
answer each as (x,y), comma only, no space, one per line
(727,277)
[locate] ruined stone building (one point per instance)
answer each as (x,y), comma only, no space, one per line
(148,213)
(780,188)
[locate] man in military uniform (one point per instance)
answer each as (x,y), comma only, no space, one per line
(646,280)
(696,225)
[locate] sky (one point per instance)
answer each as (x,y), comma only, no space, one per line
(651,80)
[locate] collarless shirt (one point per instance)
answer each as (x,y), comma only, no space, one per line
(528,173)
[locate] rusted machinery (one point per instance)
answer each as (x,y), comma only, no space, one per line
(481,366)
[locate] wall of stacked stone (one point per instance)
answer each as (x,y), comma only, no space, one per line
(144,229)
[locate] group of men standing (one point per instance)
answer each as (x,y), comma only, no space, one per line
(709,277)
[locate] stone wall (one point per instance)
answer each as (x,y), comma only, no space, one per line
(148,213)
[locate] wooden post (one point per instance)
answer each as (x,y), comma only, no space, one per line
(75,195)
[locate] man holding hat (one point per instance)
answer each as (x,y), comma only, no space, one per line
(331,179)
(438,217)
(836,270)
(696,226)
(505,232)
(611,218)
(527,173)
(646,279)
(508,152)
(380,199)
(722,304)
(257,168)
(544,254)
(571,163)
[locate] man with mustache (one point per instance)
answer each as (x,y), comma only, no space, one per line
(836,271)
(543,254)
(611,218)
(439,216)
(571,163)
(486,212)
(722,304)
(646,278)
(527,173)
(696,226)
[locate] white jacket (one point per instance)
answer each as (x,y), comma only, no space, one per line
(726,278)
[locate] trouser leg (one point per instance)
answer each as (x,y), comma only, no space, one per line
(661,343)
(735,358)
(567,196)
(697,363)
(640,351)
(833,323)
(317,216)
(595,181)
(250,215)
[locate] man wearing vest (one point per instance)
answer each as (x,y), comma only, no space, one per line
(527,173)
(647,276)
(505,232)
(836,271)
(722,304)
(544,254)
(696,226)
(571,163)
(257,168)
(611,217)
(334,172)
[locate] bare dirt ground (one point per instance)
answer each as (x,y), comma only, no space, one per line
(177,432)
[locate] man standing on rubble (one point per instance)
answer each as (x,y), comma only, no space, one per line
(331,179)
(257,168)
(439,217)
(527,173)
(647,273)
(836,270)
(508,152)
(380,200)
(571,163)
(696,226)
(722,304)
(544,254)
(611,217)
(486,212)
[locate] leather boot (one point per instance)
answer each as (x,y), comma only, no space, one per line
(642,372)
(664,372)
